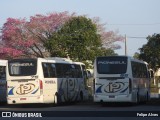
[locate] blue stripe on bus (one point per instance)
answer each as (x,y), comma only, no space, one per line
(99,89)
(124,90)
(11,91)
(35,91)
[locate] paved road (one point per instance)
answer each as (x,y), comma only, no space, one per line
(153,105)
(90,108)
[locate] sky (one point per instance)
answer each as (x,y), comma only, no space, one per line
(134,18)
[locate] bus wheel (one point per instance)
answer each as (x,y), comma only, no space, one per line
(137,99)
(147,97)
(81,96)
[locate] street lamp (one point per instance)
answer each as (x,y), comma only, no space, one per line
(125,45)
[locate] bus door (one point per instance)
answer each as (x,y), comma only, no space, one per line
(71,83)
(72,89)
(49,82)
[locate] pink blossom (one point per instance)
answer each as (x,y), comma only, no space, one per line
(21,37)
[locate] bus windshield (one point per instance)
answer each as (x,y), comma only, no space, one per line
(111,65)
(22,67)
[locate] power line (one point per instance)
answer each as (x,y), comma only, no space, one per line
(140,24)
(136,37)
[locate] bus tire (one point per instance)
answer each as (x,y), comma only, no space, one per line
(137,99)
(81,96)
(147,97)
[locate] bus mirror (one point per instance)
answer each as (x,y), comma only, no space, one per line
(151,73)
(89,74)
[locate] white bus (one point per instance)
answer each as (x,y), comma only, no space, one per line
(45,80)
(3,89)
(121,79)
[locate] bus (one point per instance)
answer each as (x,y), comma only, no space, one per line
(3,89)
(121,79)
(45,80)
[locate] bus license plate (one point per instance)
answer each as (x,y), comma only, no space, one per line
(23,98)
(111,96)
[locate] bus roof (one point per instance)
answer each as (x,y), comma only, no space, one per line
(52,59)
(80,63)
(58,59)
(131,58)
(3,62)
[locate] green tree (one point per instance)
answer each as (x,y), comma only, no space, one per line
(150,52)
(136,55)
(75,39)
(79,39)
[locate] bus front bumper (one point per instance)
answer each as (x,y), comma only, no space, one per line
(24,100)
(112,98)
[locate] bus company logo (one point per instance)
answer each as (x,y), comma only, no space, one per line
(25,88)
(22,64)
(114,87)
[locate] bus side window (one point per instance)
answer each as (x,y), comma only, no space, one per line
(45,70)
(134,70)
(49,70)
(60,70)
(145,71)
(78,71)
(52,70)
(67,70)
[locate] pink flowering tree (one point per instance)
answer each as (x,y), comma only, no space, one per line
(21,38)
(108,38)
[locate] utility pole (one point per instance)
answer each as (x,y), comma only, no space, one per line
(125,45)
